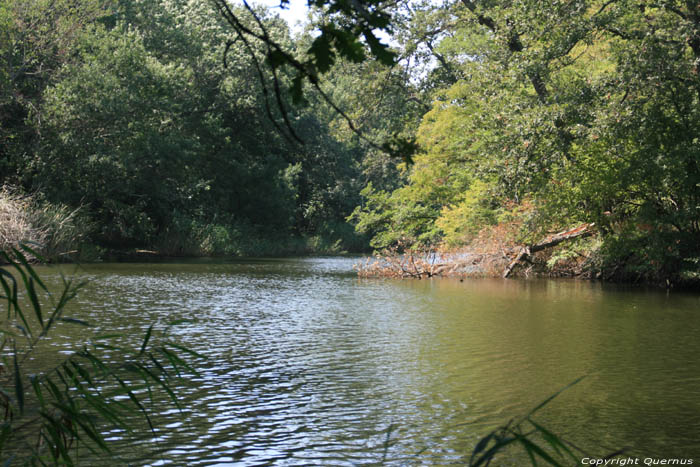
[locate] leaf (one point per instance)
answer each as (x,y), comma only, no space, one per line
(48,436)
(347,44)
(534,448)
(530,454)
(380,51)
(74,321)
(276,58)
(481,445)
(34,253)
(550,398)
(94,435)
(322,52)
(83,373)
(553,440)
(5,285)
(186,350)
(53,389)
(8,291)
(34,380)
(137,402)
(146,338)
(35,302)
(165,387)
(158,365)
(296,89)
(12,301)
(19,388)
(55,427)
(497,447)
(29,268)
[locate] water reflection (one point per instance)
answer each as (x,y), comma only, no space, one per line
(309,365)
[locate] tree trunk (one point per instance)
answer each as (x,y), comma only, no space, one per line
(582,230)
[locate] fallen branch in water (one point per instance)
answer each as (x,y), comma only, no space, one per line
(418,264)
(410,264)
(527,251)
(492,257)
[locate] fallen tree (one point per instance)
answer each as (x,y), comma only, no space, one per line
(527,251)
(493,260)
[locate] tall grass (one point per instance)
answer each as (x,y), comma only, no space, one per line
(56,229)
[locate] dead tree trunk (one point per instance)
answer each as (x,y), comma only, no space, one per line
(525,252)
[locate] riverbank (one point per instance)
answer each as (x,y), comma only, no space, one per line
(62,234)
(580,253)
(51,228)
(291,248)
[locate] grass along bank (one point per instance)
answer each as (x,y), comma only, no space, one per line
(56,229)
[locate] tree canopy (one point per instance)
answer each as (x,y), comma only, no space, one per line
(206,126)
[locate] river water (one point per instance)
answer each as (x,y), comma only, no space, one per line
(309,365)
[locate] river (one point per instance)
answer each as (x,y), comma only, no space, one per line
(307,364)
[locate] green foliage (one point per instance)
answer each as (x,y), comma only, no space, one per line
(589,109)
(51,413)
(462,222)
(143,125)
(342,30)
(168,121)
(400,217)
(37,38)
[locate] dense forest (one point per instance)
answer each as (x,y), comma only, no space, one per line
(155,124)
(131,112)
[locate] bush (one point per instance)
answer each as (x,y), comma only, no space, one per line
(644,253)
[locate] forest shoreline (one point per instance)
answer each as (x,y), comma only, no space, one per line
(555,263)
(62,235)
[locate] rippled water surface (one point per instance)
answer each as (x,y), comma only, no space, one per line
(309,365)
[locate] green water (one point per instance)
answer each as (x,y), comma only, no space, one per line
(307,364)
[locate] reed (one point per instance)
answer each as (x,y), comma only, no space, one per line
(47,415)
(55,229)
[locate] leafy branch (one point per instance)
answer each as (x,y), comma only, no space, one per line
(335,39)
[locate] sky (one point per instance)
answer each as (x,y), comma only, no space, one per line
(296,11)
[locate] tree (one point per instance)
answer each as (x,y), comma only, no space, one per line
(586,108)
(37,38)
(342,26)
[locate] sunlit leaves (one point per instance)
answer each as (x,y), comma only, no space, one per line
(587,108)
